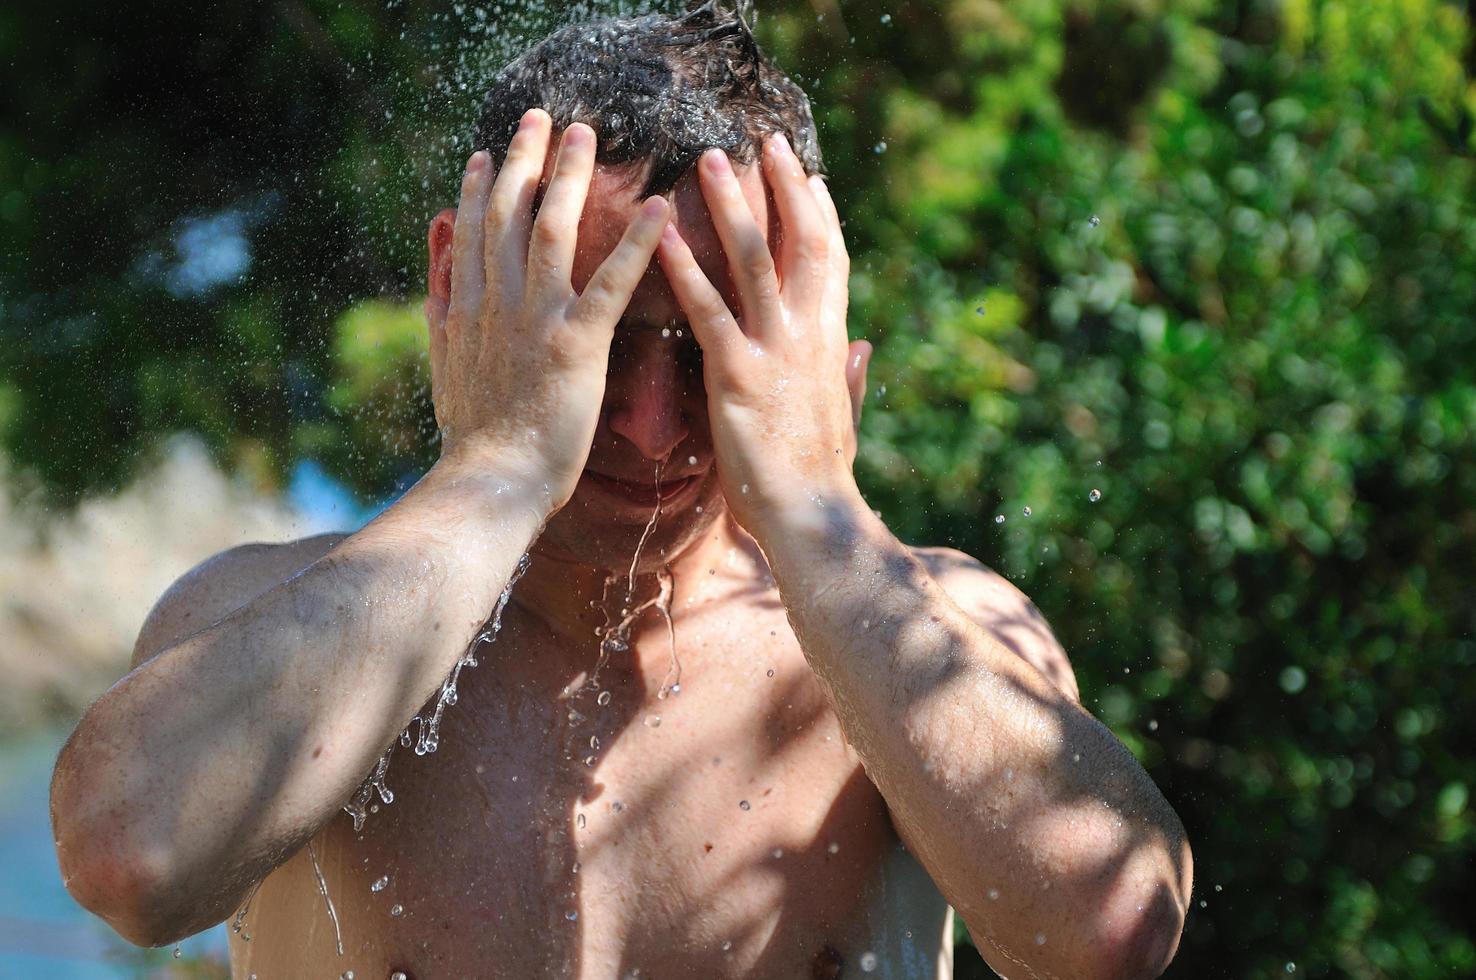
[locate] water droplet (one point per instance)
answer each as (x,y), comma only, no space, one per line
(397,910)
(743,489)
(177,951)
(1094,221)
(1291,968)
(1040,939)
(886,19)
(691,460)
(347,975)
(579,821)
(589,760)
(743,805)
(378,886)
(868,962)
(778,853)
(676,689)
(617,806)
(999,518)
(594,741)
(994,894)
(979,310)
(1076,757)
(571,915)
(653,721)
(770,672)
(833,848)
(880,148)
(1026,512)
(1219,888)
(398,975)
(1153,724)
(1095,495)
(603,699)
(727,945)
(665,331)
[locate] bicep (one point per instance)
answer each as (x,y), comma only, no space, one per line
(1004,611)
(220,585)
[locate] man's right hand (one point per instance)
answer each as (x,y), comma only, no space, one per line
(518,358)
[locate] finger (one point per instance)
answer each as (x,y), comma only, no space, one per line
(711,321)
(805,236)
(837,283)
(435,322)
(468,275)
(510,203)
(749,259)
(608,291)
(556,228)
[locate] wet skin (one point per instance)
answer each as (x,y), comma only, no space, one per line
(509,853)
(748,839)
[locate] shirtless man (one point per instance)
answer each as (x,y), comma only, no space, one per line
(862,734)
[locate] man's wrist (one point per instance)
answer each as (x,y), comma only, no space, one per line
(814,518)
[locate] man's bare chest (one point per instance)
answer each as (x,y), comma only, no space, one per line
(568,829)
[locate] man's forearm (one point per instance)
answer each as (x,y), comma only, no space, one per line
(1038,825)
(214,761)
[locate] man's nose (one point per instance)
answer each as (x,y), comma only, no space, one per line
(646,405)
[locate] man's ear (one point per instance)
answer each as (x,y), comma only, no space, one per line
(438,271)
(858,359)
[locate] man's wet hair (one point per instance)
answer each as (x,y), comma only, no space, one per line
(657,88)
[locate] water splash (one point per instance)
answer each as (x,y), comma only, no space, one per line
(615,633)
(323,890)
(239,922)
(427,736)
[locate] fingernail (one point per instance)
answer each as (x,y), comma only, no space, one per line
(578,135)
(528,119)
(669,234)
(717,161)
(654,207)
(476,162)
(779,143)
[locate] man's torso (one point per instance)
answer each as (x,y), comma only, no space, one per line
(725,830)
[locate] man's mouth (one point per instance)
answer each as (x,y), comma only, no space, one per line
(644,492)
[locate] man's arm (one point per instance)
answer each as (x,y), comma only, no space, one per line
(1038,825)
(218,756)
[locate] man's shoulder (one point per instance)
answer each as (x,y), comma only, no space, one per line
(223,583)
(995,603)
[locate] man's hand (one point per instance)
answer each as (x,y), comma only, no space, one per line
(784,390)
(518,359)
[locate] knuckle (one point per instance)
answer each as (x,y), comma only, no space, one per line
(757,263)
(545,233)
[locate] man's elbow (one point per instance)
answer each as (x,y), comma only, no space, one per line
(128,892)
(1139,932)
(128,887)
(1142,946)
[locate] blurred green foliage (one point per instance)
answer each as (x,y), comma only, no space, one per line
(1213,262)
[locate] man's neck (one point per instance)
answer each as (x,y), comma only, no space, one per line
(577,601)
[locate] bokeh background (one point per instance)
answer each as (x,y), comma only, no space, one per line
(1193,282)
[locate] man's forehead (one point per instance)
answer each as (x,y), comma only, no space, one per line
(613,199)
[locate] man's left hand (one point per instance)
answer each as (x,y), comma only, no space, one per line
(784,389)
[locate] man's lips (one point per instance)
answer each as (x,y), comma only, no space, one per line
(642,492)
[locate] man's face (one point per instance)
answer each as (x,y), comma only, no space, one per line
(655,408)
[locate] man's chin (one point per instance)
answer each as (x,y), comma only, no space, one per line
(590,531)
